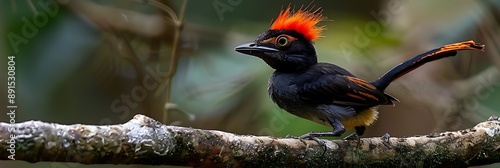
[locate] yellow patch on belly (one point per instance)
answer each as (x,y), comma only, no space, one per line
(364,118)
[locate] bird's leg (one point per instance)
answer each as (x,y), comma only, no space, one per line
(338,129)
(360,130)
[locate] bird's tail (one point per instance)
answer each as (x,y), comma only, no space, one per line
(419,60)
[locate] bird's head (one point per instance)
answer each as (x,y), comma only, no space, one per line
(287,45)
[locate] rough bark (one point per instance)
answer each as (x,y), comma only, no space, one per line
(143,140)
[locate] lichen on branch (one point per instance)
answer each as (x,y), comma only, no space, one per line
(143,140)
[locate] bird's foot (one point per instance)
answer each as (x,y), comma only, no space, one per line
(311,136)
(385,140)
(385,137)
(353,136)
(314,136)
(294,137)
(306,137)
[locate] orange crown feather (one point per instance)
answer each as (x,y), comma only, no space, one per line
(301,21)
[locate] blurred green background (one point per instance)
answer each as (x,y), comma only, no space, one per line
(86,62)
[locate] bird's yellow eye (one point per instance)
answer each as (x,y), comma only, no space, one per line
(282,41)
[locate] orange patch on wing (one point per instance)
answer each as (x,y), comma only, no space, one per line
(368,95)
(355,96)
(361,82)
(301,21)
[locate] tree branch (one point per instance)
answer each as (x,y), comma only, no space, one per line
(143,140)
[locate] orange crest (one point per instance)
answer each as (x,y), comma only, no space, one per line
(302,21)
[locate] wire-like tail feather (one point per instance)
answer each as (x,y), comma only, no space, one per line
(419,60)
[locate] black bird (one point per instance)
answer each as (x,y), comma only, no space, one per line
(322,92)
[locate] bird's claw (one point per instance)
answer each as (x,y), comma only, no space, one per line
(307,136)
(353,136)
(311,137)
(385,140)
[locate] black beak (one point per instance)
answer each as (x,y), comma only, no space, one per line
(252,49)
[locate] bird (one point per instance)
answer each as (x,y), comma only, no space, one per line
(322,92)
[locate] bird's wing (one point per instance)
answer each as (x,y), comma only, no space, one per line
(334,87)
